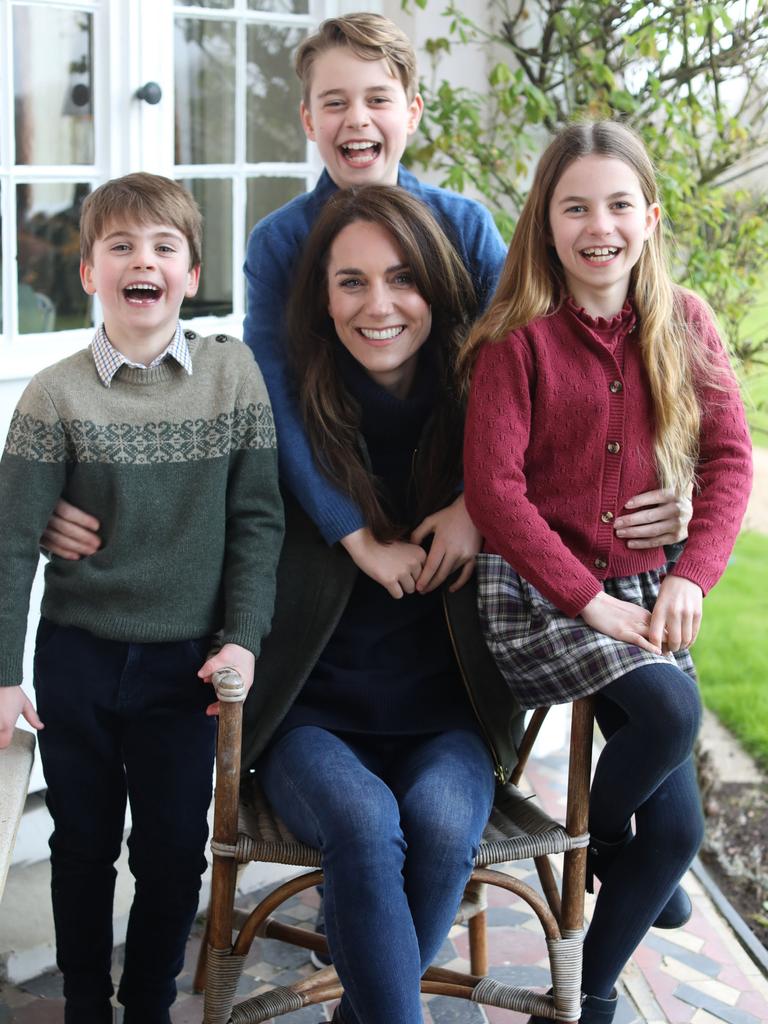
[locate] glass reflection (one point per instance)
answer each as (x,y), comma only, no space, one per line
(50,295)
(280,6)
(205,91)
(274,132)
(53,87)
(214,296)
(214,4)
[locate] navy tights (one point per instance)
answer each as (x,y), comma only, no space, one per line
(649,718)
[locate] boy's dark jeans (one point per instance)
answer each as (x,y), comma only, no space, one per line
(123,720)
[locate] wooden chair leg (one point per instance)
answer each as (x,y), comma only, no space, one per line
(478,944)
(549,885)
(577,818)
(198,983)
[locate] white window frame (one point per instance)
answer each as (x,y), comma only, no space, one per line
(133,44)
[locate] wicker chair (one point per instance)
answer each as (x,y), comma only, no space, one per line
(245,829)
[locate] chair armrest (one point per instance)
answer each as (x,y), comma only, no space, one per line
(15,767)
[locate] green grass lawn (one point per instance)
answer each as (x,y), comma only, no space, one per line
(755,380)
(731,653)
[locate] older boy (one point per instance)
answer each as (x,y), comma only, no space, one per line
(169,439)
(360,105)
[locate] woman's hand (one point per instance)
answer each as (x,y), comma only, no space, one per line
(230,656)
(663,519)
(71,533)
(455,543)
(396,566)
(620,619)
(676,615)
(14,702)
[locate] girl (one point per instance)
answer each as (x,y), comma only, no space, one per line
(593,378)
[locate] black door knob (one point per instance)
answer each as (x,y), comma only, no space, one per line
(150,92)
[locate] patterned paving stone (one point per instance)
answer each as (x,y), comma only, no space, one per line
(719,1010)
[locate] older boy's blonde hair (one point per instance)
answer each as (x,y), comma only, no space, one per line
(141,198)
(369,37)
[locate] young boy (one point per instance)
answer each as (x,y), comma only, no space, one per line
(168,438)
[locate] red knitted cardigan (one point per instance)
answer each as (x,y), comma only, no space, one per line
(559,435)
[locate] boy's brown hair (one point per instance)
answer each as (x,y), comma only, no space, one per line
(370,37)
(141,198)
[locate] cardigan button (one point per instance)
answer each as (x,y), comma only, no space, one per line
(607,517)
(616,387)
(614,447)
(600,563)
(189,335)
(221,338)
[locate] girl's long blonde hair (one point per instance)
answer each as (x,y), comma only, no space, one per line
(532,285)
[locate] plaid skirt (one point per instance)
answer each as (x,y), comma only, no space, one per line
(546,656)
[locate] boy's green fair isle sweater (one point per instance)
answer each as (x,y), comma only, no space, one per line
(180,470)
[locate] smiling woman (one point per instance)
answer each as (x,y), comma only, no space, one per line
(380,317)
(369,745)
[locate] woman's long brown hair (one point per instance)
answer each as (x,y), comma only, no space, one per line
(331,413)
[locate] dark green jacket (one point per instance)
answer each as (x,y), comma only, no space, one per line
(314,582)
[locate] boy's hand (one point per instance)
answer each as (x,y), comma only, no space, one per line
(663,519)
(396,566)
(230,656)
(455,543)
(14,702)
(620,619)
(71,533)
(676,615)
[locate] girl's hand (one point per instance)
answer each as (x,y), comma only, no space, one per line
(455,543)
(620,619)
(230,656)
(676,615)
(663,519)
(14,702)
(396,566)
(71,533)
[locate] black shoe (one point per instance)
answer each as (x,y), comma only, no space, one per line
(599,1011)
(600,855)
(320,960)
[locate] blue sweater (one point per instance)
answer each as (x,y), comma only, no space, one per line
(274,248)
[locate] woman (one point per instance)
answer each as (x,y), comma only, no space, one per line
(378,758)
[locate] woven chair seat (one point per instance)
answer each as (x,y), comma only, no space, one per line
(517,829)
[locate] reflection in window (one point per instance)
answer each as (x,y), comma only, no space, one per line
(280,6)
(52,85)
(218,4)
(51,297)
(273,94)
(205,91)
(263,195)
(214,296)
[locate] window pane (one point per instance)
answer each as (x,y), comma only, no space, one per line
(282,6)
(273,95)
(205,91)
(1,270)
(263,195)
(218,4)
(53,86)
(50,295)
(214,296)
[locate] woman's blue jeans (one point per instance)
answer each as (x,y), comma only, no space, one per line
(398,821)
